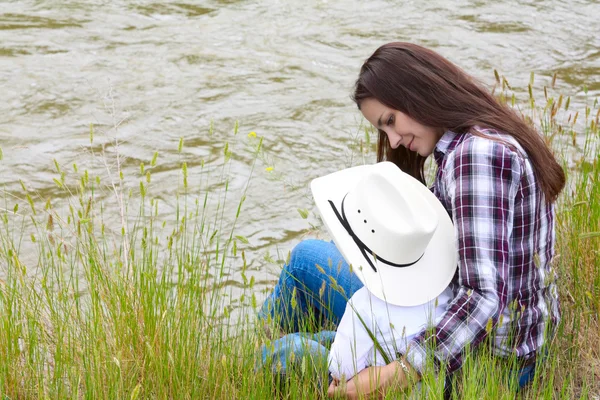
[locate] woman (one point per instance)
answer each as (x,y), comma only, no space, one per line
(498,181)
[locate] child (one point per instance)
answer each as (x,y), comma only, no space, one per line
(400,242)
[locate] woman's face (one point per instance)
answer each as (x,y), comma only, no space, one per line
(401,129)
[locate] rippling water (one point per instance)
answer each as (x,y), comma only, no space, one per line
(285,69)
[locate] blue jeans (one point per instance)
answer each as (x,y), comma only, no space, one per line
(314,287)
(303,354)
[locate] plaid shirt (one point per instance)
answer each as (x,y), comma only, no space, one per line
(505,233)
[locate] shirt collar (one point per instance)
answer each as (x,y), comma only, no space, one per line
(446,144)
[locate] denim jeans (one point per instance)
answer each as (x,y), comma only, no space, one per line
(315,285)
(303,354)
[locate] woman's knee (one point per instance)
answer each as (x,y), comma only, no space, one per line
(305,255)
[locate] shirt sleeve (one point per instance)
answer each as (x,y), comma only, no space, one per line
(349,353)
(481,178)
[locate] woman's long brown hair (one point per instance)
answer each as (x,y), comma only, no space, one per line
(436,93)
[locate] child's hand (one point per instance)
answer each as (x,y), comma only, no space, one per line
(335,383)
(370,383)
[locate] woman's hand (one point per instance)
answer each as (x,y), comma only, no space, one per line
(371,383)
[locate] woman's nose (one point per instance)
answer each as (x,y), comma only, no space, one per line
(394,139)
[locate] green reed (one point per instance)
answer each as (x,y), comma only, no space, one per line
(137,305)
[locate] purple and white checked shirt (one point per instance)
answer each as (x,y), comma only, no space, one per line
(505,232)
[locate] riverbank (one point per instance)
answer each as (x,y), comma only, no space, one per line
(139,305)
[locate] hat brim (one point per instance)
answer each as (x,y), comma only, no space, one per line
(408,286)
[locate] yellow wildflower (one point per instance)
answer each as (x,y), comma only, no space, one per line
(252,134)
(269,169)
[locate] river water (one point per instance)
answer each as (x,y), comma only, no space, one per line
(283,69)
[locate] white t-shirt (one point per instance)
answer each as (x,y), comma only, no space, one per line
(394,326)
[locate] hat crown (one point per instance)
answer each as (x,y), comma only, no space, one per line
(407,228)
(391,217)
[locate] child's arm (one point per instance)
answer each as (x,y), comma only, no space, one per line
(352,346)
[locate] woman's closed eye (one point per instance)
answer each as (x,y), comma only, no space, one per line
(390,120)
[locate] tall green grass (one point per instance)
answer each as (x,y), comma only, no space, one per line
(135,305)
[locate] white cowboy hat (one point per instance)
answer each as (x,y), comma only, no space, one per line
(391,229)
